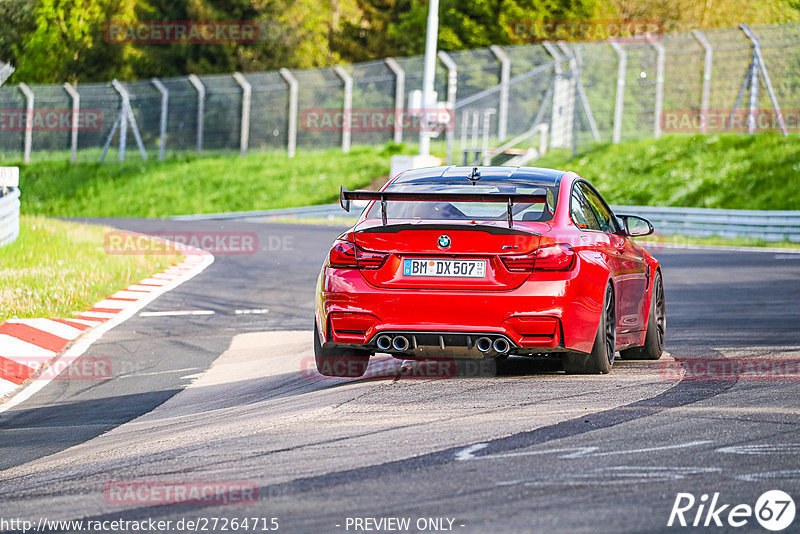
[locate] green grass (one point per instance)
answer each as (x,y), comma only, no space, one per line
(57,268)
(197,184)
(712,171)
(734,171)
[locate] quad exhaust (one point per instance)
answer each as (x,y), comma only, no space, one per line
(435,344)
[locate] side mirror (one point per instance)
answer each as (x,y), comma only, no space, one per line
(636,226)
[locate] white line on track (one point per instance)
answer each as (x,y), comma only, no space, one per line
(466,453)
(162,372)
(176,312)
(251,312)
(570,452)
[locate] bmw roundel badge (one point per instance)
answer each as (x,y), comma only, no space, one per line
(444,241)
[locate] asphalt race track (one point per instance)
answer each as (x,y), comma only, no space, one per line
(230,397)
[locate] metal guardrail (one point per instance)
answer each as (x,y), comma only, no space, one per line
(705,222)
(695,222)
(302,212)
(9,216)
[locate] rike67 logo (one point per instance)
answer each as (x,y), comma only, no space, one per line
(774,510)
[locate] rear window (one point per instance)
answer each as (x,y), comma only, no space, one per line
(469,211)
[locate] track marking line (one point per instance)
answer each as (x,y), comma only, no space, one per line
(583,452)
(251,312)
(613,475)
(176,313)
(761,449)
(162,372)
(467,452)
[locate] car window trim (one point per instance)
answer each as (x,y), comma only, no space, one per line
(603,200)
(571,197)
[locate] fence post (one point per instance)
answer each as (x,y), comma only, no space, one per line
(622,67)
(505,75)
(162,126)
(291,142)
(399,96)
(452,88)
(707,64)
(758,58)
(28,119)
(563,116)
(125,115)
(72,91)
(346,107)
(659,104)
(576,65)
(201,98)
(247,92)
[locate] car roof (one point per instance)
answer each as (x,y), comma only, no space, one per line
(460,174)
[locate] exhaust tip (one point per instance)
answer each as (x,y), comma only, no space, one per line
(384,342)
(400,343)
(484,344)
(501,345)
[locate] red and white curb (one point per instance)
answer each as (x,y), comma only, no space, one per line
(29,346)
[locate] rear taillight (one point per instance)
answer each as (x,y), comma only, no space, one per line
(519,264)
(558,257)
(347,255)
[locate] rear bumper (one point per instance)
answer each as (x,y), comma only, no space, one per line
(554,311)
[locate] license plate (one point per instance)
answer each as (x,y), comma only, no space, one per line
(445,268)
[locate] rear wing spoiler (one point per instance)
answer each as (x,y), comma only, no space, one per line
(509,199)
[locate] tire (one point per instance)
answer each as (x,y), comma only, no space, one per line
(600,360)
(349,363)
(656,327)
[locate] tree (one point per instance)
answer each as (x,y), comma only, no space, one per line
(16,21)
(396,27)
(68,44)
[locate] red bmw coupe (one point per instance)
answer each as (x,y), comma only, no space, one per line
(487,262)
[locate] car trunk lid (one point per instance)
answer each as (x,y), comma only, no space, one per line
(452,255)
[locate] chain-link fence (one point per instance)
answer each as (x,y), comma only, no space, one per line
(500,99)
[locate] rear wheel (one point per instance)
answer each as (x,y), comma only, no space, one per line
(601,358)
(656,327)
(350,363)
